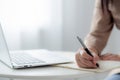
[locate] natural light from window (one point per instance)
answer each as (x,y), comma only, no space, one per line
(25,13)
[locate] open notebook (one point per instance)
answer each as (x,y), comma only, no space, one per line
(104,66)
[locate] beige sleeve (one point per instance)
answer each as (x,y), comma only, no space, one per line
(101,28)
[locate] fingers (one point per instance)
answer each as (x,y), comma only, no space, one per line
(110,56)
(85,60)
(81,62)
(106,56)
(85,55)
(95,57)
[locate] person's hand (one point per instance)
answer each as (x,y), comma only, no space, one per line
(110,56)
(84,60)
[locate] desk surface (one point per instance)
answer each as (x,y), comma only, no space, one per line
(47,72)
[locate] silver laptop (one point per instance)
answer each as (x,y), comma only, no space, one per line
(25,59)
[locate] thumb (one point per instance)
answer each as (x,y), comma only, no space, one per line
(95,57)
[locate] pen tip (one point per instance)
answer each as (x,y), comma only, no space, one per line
(97,64)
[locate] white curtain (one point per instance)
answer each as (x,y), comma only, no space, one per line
(31,24)
(49,24)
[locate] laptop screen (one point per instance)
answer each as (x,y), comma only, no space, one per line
(4,53)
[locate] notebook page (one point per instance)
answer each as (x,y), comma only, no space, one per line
(104,66)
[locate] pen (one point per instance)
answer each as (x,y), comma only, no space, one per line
(86,49)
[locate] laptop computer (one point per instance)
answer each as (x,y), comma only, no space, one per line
(25,59)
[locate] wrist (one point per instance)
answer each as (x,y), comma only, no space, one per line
(94,50)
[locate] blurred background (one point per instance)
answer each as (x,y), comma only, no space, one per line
(49,24)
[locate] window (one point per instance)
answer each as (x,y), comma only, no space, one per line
(25,13)
(23,19)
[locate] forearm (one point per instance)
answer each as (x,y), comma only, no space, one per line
(102,25)
(97,40)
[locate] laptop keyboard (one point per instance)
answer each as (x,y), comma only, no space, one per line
(25,59)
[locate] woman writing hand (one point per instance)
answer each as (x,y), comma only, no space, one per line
(84,60)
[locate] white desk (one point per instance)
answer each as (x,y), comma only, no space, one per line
(47,73)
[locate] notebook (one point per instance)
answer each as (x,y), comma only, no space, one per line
(22,59)
(104,66)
